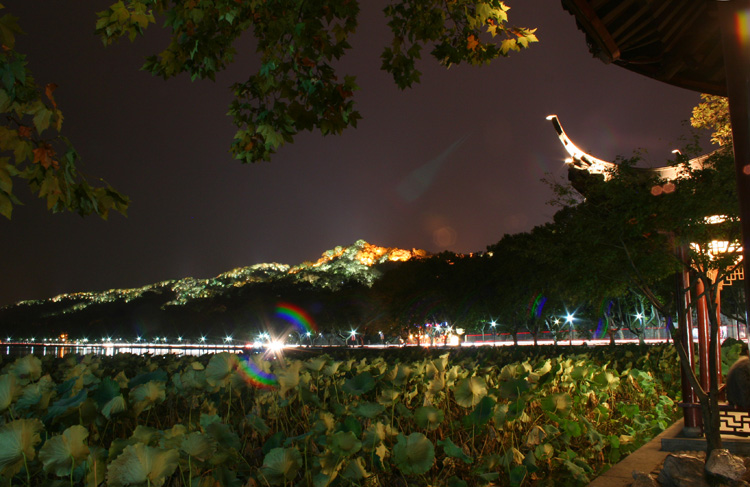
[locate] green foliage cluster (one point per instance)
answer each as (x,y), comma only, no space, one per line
(32,146)
(295,86)
(445,420)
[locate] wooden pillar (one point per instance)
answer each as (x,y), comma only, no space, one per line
(692,415)
(704,328)
(734,17)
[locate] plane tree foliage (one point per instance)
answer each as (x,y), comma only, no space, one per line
(32,145)
(296,85)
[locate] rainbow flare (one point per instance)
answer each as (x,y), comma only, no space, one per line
(603,326)
(296,316)
(742,27)
(256,377)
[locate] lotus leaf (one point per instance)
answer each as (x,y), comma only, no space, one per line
(517,475)
(355,470)
(369,409)
(58,408)
(454,451)
(544,451)
(105,391)
(140,463)
(115,405)
(606,379)
(557,403)
(513,388)
(344,443)
(388,397)
(195,365)
(281,465)
(402,375)
(360,384)
(468,392)
(257,423)
(536,436)
(374,435)
(172,438)
(156,375)
(435,385)
(316,364)
(414,454)
(26,369)
(219,367)
(61,453)
(8,390)
(146,395)
(428,417)
(325,422)
(18,440)
(455,482)
(332,368)
(224,436)
(482,413)
(500,416)
(288,378)
(197,445)
(354,425)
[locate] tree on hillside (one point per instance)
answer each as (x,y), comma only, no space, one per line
(295,88)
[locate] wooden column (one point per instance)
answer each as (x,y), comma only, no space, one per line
(692,416)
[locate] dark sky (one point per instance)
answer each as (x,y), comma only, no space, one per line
(452,164)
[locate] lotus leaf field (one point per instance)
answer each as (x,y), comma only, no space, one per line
(406,417)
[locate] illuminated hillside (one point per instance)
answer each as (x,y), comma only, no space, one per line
(358,264)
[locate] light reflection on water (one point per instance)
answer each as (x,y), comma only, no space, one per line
(62,350)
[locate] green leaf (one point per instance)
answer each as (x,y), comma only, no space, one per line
(18,440)
(428,417)
(197,445)
(344,443)
(481,414)
(61,453)
(469,391)
(359,384)
(115,405)
(65,404)
(139,464)
(414,454)
(557,403)
(369,409)
(8,390)
(454,451)
(281,465)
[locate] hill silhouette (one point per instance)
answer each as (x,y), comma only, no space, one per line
(239,301)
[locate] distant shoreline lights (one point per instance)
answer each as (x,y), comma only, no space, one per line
(297,317)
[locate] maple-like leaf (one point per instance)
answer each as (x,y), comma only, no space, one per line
(48,90)
(472,43)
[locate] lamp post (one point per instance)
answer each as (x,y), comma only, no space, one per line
(492,325)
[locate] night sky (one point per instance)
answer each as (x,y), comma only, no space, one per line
(451,164)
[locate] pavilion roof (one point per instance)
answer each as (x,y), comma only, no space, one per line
(674,41)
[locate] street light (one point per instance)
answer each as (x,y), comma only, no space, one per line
(493,325)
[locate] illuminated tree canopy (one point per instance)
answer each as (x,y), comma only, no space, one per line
(296,86)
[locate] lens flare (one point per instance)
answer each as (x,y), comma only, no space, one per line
(742,27)
(296,316)
(256,377)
